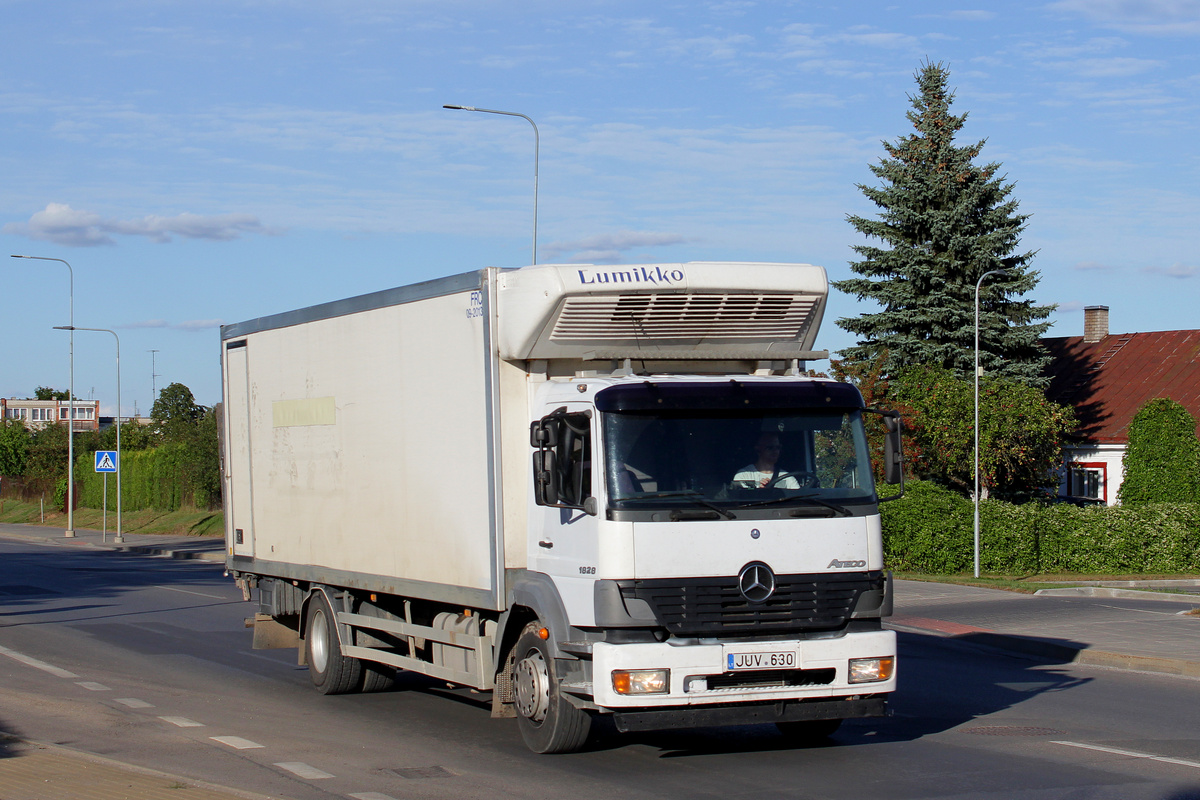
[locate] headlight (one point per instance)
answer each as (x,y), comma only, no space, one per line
(641,681)
(872,670)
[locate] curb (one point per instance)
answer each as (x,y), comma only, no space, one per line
(216,555)
(1058,653)
(1134,594)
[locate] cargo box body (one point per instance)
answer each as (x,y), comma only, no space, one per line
(363,444)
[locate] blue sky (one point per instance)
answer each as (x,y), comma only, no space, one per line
(200,163)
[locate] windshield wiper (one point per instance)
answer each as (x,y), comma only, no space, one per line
(807,498)
(690,494)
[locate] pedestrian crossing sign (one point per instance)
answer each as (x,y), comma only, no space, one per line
(106,461)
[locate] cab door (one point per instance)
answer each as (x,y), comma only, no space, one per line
(564,542)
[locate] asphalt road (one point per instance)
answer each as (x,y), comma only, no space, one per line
(146,661)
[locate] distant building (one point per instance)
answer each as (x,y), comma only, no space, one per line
(40,413)
(1107,378)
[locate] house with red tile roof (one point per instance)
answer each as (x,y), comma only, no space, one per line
(1107,378)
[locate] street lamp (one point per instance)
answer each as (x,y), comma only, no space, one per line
(72,328)
(70,532)
(977,285)
(536,144)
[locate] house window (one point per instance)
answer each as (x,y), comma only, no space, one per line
(16,413)
(1086,480)
(41,414)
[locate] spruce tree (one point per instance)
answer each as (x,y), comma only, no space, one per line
(945,221)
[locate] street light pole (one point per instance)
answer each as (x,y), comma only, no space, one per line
(978,283)
(70,532)
(72,328)
(536,147)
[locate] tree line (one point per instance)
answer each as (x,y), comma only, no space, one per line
(36,459)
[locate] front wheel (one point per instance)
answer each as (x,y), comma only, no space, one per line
(547,720)
(331,672)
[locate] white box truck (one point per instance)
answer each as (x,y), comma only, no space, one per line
(590,490)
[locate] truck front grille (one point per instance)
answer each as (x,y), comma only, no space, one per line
(715,606)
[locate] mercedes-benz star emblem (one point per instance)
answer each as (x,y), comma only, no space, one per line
(756,582)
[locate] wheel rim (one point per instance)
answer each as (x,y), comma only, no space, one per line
(532,687)
(318,641)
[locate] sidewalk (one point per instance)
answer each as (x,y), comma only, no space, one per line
(31,771)
(1122,627)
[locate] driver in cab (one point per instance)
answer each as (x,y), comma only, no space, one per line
(764,473)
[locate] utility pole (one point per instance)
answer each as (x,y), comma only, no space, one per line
(153,376)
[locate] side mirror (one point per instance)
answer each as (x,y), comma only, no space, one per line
(542,435)
(893,460)
(545,478)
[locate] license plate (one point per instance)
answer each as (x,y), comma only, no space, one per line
(781,659)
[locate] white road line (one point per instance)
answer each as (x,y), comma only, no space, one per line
(33,662)
(236,742)
(1133,754)
(92,686)
(185,591)
(133,702)
(302,770)
(372,796)
(183,722)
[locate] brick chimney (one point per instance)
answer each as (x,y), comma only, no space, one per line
(1095,323)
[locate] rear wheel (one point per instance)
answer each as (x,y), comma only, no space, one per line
(547,720)
(331,672)
(809,731)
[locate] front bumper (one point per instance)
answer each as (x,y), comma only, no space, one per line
(750,713)
(699,675)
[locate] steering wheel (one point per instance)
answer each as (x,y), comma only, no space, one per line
(806,480)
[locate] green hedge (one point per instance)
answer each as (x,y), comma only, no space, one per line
(162,478)
(931,530)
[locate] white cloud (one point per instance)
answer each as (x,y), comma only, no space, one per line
(1110,67)
(1155,17)
(1093,266)
(199,325)
(606,248)
(61,224)
(190,325)
(1176,270)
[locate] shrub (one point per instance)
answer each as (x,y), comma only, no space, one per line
(1162,462)
(931,530)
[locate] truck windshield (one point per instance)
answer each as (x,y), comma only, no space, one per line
(735,459)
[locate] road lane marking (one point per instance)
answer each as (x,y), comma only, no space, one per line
(302,770)
(33,662)
(372,796)
(133,702)
(1133,754)
(236,742)
(92,686)
(182,722)
(185,591)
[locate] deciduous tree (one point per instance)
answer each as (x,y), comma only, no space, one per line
(1020,431)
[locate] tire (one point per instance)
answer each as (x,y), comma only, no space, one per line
(809,731)
(331,672)
(377,677)
(547,720)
